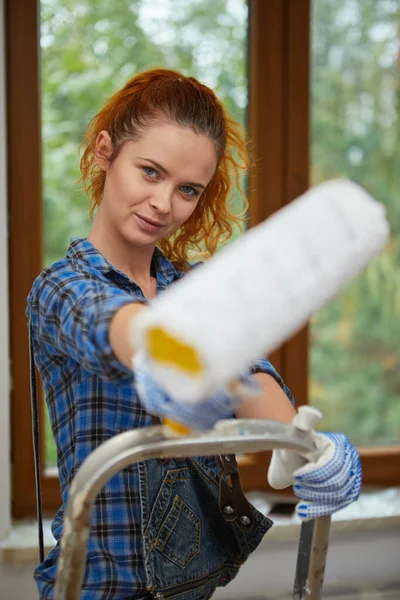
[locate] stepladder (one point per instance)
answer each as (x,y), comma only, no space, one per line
(240,436)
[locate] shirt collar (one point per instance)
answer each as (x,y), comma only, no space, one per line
(163,268)
(82,249)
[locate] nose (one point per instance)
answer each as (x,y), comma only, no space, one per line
(161,199)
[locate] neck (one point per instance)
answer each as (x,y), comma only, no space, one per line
(133,262)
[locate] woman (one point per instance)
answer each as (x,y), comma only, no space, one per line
(157,166)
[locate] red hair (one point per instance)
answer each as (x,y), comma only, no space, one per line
(188,103)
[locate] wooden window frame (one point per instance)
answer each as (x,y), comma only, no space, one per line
(279,66)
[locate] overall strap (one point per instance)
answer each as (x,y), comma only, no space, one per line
(232,501)
(36,450)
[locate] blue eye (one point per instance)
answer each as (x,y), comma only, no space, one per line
(189,191)
(150,172)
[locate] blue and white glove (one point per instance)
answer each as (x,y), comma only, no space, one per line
(198,416)
(330,481)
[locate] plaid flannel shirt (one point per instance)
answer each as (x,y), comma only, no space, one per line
(91,397)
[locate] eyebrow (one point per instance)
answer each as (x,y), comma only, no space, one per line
(164,170)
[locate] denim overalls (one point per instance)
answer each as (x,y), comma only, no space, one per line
(190,548)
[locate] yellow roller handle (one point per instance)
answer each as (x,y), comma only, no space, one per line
(165,348)
(177,428)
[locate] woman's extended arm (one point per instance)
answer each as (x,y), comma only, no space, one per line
(120,332)
(271,403)
(70,312)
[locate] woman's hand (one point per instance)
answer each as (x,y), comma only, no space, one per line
(325,485)
(200,416)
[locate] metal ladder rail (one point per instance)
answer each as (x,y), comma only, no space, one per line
(252,435)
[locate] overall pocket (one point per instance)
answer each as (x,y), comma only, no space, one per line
(179,534)
(173,526)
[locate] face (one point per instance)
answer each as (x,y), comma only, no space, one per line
(154,184)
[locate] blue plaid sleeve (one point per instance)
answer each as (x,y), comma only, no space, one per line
(264,366)
(71,314)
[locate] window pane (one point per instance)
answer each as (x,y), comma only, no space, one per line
(89,49)
(355,351)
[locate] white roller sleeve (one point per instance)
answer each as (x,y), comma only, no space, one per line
(259,290)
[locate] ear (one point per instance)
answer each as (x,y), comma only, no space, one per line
(104,149)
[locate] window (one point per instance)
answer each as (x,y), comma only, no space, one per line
(345,87)
(278,108)
(355,118)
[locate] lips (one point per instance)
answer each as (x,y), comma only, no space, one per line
(148,224)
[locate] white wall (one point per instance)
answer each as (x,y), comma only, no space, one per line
(353,558)
(4,352)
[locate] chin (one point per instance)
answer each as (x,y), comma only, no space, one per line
(138,239)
